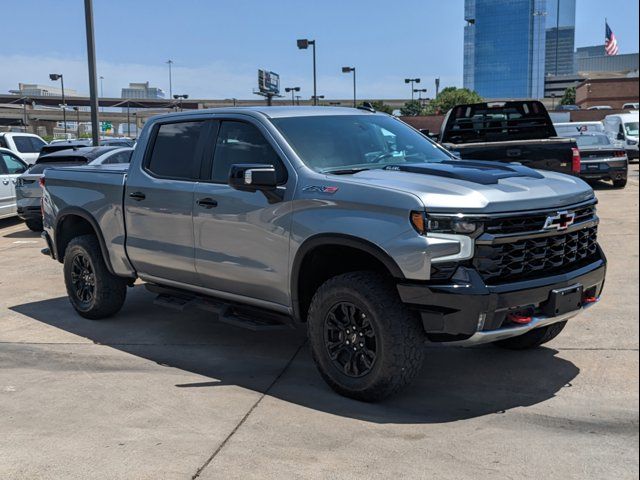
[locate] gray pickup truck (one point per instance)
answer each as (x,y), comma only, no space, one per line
(347,220)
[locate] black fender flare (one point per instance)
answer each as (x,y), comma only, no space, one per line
(85,215)
(338,239)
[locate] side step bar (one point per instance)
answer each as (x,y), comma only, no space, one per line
(242,316)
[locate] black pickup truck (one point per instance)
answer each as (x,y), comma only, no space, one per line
(512,131)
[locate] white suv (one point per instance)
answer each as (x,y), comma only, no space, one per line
(26,145)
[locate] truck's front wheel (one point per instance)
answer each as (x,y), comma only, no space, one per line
(365,342)
(93,291)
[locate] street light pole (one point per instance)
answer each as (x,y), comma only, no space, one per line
(77,109)
(101,90)
(128,120)
(180,98)
(93,88)
(292,90)
(55,77)
(412,81)
(303,44)
(170,62)
(349,70)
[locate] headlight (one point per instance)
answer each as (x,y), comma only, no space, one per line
(632,142)
(455,224)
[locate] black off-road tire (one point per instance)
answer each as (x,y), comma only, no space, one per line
(533,338)
(34,224)
(621,183)
(399,335)
(109,291)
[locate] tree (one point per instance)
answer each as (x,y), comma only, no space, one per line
(379,106)
(411,109)
(450,97)
(569,97)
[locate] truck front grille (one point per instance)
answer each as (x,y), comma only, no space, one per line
(536,257)
(533,222)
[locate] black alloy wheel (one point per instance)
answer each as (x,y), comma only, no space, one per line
(350,339)
(83,279)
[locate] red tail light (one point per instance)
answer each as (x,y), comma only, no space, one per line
(619,154)
(575,160)
(41,182)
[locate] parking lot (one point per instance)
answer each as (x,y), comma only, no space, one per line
(158,394)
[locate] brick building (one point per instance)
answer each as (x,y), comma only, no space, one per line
(614,92)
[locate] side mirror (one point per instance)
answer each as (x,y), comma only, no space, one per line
(425,132)
(252,177)
(620,136)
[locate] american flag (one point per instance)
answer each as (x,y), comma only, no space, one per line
(610,41)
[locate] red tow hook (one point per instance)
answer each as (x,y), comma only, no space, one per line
(519,319)
(588,300)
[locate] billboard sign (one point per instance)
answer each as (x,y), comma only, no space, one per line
(268,82)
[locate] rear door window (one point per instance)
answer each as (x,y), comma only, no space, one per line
(177,150)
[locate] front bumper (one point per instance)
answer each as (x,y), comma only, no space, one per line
(468,312)
(29,213)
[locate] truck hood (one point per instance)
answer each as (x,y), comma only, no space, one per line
(483,187)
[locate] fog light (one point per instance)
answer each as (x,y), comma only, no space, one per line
(481,319)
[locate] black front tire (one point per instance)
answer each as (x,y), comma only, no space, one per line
(533,338)
(93,291)
(397,334)
(34,224)
(620,183)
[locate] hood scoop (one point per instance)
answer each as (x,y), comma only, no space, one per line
(484,173)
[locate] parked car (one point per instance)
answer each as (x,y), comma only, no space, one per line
(348,220)
(116,156)
(25,145)
(515,131)
(623,127)
(28,190)
(631,106)
(602,160)
(571,129)
(11,166)
(567,108)
(600,107)
(117,142)
(63,145)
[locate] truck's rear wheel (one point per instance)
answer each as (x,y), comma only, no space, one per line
(533,338)
(93,291)
(620,183)
(365,342)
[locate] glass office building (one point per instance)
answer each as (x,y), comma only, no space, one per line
(560,37)
(506,45)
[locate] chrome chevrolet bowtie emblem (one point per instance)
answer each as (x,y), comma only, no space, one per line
(561,221)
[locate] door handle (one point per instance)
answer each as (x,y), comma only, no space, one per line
(207,203)
(137,196)
(5,182)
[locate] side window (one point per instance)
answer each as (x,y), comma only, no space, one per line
(12,165)
(175,150)
(24,145)
(37,144)
(240,142)
(120,157)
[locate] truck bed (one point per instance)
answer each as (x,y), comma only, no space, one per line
(553,153)
(95,189)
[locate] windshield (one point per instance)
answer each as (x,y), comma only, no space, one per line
(356,142)
(592,140)
(631,128)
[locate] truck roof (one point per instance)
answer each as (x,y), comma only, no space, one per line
(280,111)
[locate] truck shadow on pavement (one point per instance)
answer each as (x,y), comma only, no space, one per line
(455,384)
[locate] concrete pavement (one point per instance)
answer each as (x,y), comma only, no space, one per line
(155,394)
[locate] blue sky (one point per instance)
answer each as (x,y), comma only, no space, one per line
(217,45)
